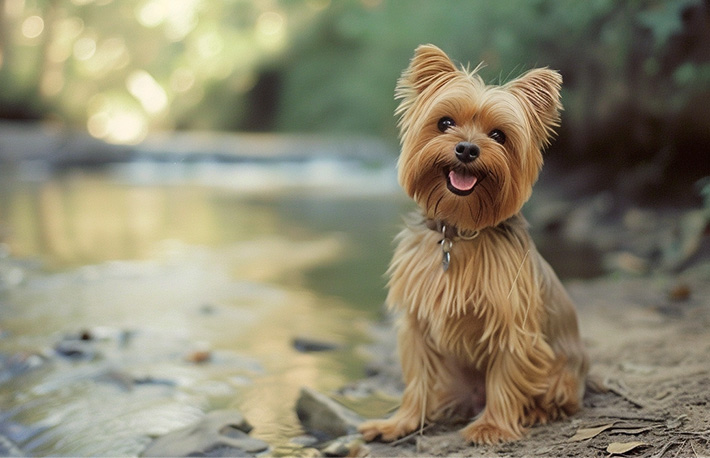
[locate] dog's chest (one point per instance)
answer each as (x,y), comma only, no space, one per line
(419,281)
(455,307)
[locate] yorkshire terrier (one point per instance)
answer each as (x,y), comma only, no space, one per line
(486,327)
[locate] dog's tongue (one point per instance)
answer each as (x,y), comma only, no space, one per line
(461,181)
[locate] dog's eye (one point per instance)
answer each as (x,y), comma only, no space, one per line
(497,135)
(444,123)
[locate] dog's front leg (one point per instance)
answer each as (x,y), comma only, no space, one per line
(513,379)
(420,365)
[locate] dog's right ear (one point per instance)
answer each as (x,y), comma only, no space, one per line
(429,65)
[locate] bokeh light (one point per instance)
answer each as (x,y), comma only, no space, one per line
(32,27)
(84,48)
(148,92)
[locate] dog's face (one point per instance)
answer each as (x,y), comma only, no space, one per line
(471,152)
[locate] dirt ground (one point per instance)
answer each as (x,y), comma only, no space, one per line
(648,391)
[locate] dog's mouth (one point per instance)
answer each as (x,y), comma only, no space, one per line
(461,182)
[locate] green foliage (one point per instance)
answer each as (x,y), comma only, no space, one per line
(634,71)
(637,72)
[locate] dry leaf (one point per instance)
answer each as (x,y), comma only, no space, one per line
(631,431)
(619,448)
(588,433)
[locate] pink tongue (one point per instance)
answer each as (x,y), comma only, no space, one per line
(462,182)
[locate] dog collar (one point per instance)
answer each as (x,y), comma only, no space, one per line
(450,231)
(450,235)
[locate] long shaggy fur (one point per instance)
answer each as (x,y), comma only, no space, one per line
(495,334)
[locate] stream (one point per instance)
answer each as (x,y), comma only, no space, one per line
(135,297)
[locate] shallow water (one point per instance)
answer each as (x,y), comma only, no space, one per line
(116,284)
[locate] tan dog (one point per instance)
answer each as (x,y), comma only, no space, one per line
(485,320)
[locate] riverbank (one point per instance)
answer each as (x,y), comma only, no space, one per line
(648,389)
(645,323)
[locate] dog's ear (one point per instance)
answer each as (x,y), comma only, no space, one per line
(428,66)
(539,92)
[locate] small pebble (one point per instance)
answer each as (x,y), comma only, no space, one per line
(344,446)
(680,292)
(307,345)
(199,357)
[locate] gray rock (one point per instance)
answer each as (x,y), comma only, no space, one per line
(9,448)
(308,345)
(76,349)
(323,417)
(345,446)
(219,433)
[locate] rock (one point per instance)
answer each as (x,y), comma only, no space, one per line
(680,292)
(307,345)
(79,349)
(117,377)
(150,380)
(295,451)
(9,448)
(305,440)
(199,357)
(350,445)
(219,433)
(15,364)
(323,417)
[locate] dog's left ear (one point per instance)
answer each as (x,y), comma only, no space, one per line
(539,92)
(428,64)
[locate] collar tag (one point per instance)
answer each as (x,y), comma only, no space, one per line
(446,244)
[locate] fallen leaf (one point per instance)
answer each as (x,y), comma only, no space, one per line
(631,431)
(588,433)
(619,448)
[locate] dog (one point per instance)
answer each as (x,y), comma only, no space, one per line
(485,325)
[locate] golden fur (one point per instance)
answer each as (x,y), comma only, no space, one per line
(497,328)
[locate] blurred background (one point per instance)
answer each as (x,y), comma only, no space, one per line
(192,189)
(636,72)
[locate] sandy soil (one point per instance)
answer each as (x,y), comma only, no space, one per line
(649,387)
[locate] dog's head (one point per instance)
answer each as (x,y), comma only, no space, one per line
(471,152)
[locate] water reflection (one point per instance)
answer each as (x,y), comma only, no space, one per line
(157,270)
(82,218)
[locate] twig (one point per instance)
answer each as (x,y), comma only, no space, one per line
(617,387)
(663,450)
(692,446)
(625,416)
(409,436)
(705,433)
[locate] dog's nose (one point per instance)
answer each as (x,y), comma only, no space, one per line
(467,152)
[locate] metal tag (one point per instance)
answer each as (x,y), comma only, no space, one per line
(446,245)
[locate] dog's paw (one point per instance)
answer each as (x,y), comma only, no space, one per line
(482,432)
(538,415)
(389,429)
